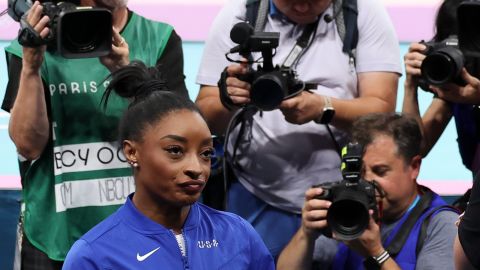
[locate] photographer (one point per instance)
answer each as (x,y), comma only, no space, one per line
(73,175)
(283,151)
(467,242)
(391,158)
(449,99)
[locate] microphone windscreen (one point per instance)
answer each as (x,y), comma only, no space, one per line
(241,32)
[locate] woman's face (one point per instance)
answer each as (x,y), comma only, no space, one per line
(173,159)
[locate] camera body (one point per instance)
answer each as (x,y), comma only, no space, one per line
(352,198)
(443,63)
(75,32)
(270,85)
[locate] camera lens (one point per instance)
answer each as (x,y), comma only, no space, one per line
(348,215)
(268,91)
(443,66)
(85,33)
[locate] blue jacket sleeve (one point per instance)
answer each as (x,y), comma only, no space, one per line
(261,259)
(80,256)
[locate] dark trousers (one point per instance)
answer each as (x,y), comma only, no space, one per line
(34,259)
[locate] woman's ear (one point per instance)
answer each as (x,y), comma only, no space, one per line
(130,152)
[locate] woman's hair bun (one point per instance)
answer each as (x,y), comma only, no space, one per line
(134,81)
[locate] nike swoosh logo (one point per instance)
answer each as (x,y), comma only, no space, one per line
(144,257)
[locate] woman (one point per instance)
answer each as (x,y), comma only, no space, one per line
(161,226)
(450,100)
(467,243)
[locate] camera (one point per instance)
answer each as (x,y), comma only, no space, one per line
(445,59)
(352,197)
(443,63)
(75,31)
(269,85)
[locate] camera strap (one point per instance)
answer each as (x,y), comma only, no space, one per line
(399,239)
(302,44)
(27,36)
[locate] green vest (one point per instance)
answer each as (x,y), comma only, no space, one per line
(82,176)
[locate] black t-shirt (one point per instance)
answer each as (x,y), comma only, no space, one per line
(170,65)
(469,228)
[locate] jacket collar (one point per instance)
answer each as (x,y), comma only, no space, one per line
(138,221)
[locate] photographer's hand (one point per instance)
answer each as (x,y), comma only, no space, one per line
(120,54)
(314,213)
(468,94)
(369,243)
(413,61)
(33,56)
(302,108)
(238,90)
(298,254)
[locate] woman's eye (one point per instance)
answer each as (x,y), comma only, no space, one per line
(174,150)
(208,154)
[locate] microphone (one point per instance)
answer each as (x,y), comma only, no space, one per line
(241,32)
(328,18)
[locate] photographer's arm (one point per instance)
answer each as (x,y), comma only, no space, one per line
(377,93)
(468,94)
(298,254)
(461,260)
(467,239)
(208,99)
(370,244)
(435,119)
(29,125)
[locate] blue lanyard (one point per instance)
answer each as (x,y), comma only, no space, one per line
(413,203)
(401,221)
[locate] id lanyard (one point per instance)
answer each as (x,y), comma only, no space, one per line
(301,45)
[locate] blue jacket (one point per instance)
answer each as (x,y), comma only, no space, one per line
(407,257)
(129,240)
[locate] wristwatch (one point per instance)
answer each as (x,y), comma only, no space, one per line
(375,262)
(327,113)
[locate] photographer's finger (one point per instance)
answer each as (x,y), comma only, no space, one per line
(237,83)
(316,204)
(469,79)
(415,60)
(417,47)
(313,192)
(289,105)
(240,100)
(316,224)
(413,71)
(118,40)
(315,215)
(41,25)
(45,32)
(437,91)
(35,13)
(235,70)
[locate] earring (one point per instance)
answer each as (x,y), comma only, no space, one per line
(133,163)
